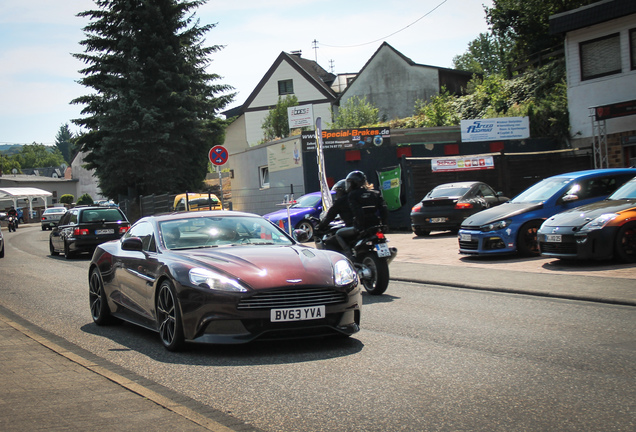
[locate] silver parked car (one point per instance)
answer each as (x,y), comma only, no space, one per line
(51,217)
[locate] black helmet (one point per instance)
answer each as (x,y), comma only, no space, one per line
(339,188)
(355,180)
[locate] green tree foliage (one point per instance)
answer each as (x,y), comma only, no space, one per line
(276,124)
(487,55)
(152,117)
(67,199)
(85,199)
(526,24)
(64,143)
(438,111)
(38,156)
(355,112)
(8,164)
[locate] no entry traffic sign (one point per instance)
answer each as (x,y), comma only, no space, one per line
(218,155)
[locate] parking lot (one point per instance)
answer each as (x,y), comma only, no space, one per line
(441,248)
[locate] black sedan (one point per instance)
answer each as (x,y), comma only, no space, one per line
(601,230)
(222,277)
(447,205)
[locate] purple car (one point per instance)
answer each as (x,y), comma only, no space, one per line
(308,204)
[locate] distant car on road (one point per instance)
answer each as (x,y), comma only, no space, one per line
(51,217)
(82,229)
(196,202)
(602,230)
(306,205)
(512,226)
(446,206)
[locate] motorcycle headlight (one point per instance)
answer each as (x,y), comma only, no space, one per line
(344,274)
(496,226)
(599,222)
(209,279)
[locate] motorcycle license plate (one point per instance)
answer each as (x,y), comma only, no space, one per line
(383,250)
(297,314)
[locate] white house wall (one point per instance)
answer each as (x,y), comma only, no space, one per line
(599,91)
(392,85)
(258,109)
(235,137)
(86,181)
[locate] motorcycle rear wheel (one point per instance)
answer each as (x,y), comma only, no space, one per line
(378,282)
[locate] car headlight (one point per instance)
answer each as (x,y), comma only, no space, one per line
(209,279)
(599,222)
(496,226)
(344,274)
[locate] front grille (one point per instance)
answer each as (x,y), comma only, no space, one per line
(469,245)
(558,248)
(292,297)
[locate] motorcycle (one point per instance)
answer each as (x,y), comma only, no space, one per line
(370,251)
(12,223)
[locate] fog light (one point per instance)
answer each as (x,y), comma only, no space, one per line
(494,243)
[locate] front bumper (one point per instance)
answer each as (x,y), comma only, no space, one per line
(596,244)
(474,242)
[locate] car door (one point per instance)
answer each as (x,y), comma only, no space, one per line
(137,272)
(64,229)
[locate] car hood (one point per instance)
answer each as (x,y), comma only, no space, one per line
(267,266)
(282,214)
(579,216)
(503,211)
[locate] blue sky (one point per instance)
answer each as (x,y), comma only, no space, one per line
(38,75)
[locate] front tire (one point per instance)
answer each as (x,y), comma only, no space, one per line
(625,247)
(97,300)
(527,244)
(67,251)
(169,317)
(378,281)
(52,249)
(306,226)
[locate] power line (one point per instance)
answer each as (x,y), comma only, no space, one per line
(388,36)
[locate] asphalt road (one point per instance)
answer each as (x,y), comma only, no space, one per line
(428,358)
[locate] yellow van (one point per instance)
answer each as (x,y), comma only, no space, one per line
(196,202)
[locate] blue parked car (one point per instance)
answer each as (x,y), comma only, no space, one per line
(512,226)
(308,204)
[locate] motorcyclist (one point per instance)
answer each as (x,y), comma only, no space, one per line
(340,208)
(368,207)
(13,212)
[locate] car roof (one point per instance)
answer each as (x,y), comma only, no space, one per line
(595,172)
(199,214)
(457,184)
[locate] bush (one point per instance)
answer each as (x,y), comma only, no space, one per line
(67,199)
(85,200)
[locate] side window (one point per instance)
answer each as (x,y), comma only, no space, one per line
(145,232)
(600,57)
(487,192)
(72,218)
(285,87)
(180,205)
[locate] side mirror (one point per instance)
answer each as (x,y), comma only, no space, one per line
(569,198)
(132,244)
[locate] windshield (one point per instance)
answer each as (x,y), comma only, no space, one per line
(307,201)
(627,191)
(542,191)
(448,191)
(215,231)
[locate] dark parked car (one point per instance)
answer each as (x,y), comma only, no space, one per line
(512,226)
(81,229)
(602,230)
(51,217)
(222,277)
(306,205)
(446,206)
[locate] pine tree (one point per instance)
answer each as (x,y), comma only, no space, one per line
(64,143)
(153,115)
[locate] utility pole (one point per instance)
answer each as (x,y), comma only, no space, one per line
(315,48)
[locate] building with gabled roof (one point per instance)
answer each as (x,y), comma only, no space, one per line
(393,83)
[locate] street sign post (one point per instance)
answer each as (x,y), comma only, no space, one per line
(218,156)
